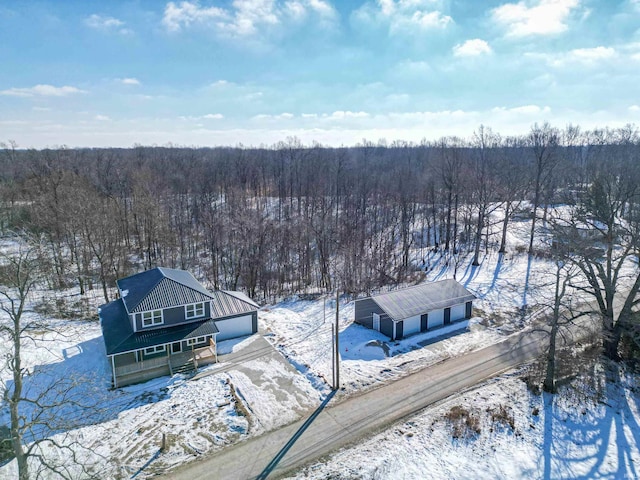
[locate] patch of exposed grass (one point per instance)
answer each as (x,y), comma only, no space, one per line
(502,416)
(465,424)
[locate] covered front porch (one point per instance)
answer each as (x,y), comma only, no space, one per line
(139,366)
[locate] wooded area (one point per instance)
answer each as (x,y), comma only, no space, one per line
(291,218)
(294,219)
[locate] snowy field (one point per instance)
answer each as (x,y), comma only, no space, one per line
(119,432)
(513,434)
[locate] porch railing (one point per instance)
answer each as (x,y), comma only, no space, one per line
(146,364)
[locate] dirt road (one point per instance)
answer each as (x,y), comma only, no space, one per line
(334,425)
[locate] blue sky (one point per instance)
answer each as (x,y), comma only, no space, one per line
(117,73)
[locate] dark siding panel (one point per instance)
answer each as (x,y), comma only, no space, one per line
(399,330)
(174,316)
(386,326)
(424,322)
(447,315)
(254,322)
(364,310)
(468,308)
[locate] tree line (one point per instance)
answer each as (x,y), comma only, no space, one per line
(293,218)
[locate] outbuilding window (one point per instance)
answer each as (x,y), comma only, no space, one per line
(194,310)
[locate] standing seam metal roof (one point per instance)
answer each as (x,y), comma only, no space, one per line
(423,298)
(165,287)
(169,293)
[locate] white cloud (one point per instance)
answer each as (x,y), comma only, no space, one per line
(130,81)
(316,127)
(522,110)
(245,18)
(634,108)
(282,116)
(472,48)
(106,24)
(592,54)
(585,56)
(541,17)
(186,13)
(102,118)
(42,91)
(403,17)
(341,114)
(208,116)
(324,9)
(296,10)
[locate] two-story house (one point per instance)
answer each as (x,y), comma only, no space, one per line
(166,321)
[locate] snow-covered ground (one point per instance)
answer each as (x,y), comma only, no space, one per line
(367,357)
(121,430)
(513,434)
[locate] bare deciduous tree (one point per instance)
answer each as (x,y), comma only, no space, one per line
(37,413)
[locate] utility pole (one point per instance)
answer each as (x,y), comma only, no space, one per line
(333,356)
(337,354)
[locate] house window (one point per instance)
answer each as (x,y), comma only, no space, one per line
(152,318)
(194,310)
(156,349)
(196,341)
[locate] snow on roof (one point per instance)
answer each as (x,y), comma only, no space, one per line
(423,298)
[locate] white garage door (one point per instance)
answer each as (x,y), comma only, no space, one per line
(458,312)
(410,326)
(436,318)
(234,327)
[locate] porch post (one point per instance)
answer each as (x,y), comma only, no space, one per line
(214,344)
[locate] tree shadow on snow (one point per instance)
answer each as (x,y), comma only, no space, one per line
(75,392)
(584,443)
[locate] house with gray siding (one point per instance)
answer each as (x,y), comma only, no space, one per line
(415,309)
(165,321)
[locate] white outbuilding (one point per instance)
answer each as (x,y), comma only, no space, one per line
(411,310)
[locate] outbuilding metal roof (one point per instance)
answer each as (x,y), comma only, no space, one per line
(423,298)
(119,336)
